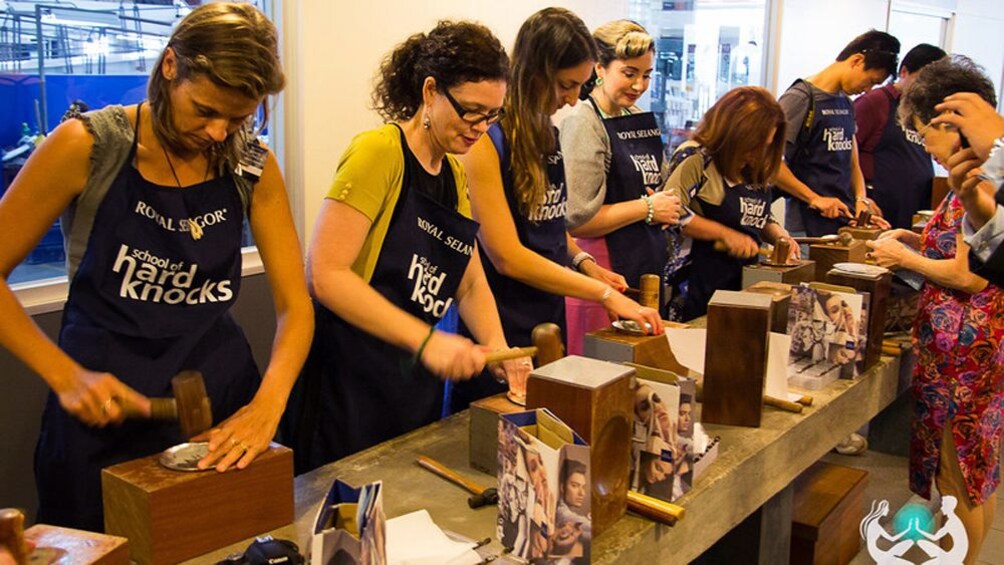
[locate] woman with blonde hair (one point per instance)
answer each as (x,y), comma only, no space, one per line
(613,155)
(723,176)
(153,198)
(518,193)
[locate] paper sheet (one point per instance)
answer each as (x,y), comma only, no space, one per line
(778,350)
(687,345)
(414,539)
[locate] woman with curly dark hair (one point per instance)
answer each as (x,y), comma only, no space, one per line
(394,247)
(958,381)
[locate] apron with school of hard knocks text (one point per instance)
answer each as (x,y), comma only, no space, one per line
(635,164)
(369,391)
(522,307)
(902,171)
(744,209)
(823,163)
(148,300)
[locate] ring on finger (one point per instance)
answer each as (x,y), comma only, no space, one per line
(233,443)
(106,405)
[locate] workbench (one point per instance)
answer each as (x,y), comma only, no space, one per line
(748,485)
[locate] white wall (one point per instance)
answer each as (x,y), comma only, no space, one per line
(332,51)
(979,34)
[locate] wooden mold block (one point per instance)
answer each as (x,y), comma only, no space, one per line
(80,547)
(735,359)
(826,255)
(780,295)
(804,271)
(609,344)
(169,516)
(878,287)
(484,430)
(596,400)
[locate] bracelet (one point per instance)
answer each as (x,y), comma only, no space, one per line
(580,257)
(865,200)
(651,208)
(421,348)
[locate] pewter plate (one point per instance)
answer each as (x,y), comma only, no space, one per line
(185,456)
(861,269)
(630,327)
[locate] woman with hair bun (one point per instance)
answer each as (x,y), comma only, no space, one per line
(613,164)
(153,198)
(394,247)
(518,193)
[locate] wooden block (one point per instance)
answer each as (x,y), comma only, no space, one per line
(780,295)
(595,399)
(609,344)
(826,255)
(169,516)
(827,509)
(77,547)
(878,288)
(735,359)
(804,271)
(484,430)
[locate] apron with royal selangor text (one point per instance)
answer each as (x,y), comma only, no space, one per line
(636,160)
(521,306)
(368,390)
(823,163)
(903,171)
(150,298)
(744,209)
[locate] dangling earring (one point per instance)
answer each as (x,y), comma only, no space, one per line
(599,81)
(426,122)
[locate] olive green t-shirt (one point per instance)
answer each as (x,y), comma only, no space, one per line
(369,178)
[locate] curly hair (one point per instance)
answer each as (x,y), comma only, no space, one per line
(956,73)
(617,41)
(454,52)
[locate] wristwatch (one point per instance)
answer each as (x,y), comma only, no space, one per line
(580,257)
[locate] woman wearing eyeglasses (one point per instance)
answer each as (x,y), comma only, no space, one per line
(518,193)
(394,247)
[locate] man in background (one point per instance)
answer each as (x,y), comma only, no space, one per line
(893,161)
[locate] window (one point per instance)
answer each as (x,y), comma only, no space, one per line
(704,48)
(52,56)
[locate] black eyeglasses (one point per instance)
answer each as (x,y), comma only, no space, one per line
(473,118)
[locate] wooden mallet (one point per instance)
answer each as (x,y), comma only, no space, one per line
(190,406)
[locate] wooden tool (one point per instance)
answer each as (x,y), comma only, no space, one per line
(546,338)
(481,496)
(721,247)
(844,250)
(12,534)
(778,403)
(654,509)
(507,354)
(837,239)
(595,399)
(190,405)
(648,293)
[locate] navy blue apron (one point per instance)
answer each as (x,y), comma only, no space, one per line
(521,306)
(902,171)
(743,209)
(824,164)
(147,301)
(368,392)
(635,164)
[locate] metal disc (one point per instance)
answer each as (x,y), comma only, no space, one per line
(185,456)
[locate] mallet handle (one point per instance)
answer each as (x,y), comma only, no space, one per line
(439,469)
(507,354)
(654,509)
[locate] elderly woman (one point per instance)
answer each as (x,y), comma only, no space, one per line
(959,329)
